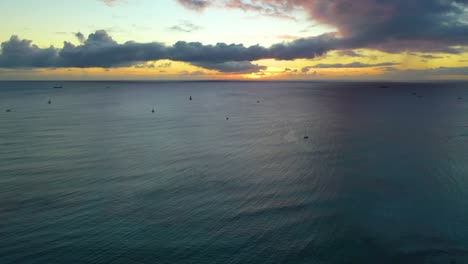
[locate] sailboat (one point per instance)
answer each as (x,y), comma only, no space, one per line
(306,136)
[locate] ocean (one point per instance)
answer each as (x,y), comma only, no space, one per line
(229,177)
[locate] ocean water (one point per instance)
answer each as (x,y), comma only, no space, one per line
(96,177)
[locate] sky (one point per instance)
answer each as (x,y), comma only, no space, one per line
(234,40)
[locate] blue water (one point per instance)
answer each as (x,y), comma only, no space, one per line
(95,177)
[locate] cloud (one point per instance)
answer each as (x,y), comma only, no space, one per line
(101,50)
(165,65)
(81,38)
(185,26)
(425,56)
(389,69)
(424,74)
(289,70)
(431,57)
(350,53)
(18,53)
(195,4)
(145,66)
(231,66)
(390,26)
(267,8)
(348,65)
(193,73)
(444,71)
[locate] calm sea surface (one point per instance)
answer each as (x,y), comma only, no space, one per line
(96,177)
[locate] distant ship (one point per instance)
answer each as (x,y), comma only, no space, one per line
(58,87)
(190,98)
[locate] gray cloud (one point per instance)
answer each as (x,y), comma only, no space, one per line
(18,53)
(185,26)
(81,38)
(350,53)
(431,57)
(194,73)
(423,74)
(389,69)
(231,66)
(195,4)
(390,26)
(348,65)
(165,65)
(100,50)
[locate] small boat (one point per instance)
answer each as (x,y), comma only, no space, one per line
(413,93)
(306,137)
(8,110)
(49,102)
(190,98)
(152,111)
(227,118)
(258,101)
(459,98)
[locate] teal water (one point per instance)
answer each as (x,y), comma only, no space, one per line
(95,177)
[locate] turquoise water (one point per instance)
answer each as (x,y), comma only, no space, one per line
(96,177)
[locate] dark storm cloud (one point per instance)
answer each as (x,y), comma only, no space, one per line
(387,25)
(100,50)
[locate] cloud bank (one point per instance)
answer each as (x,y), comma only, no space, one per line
(101,50)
